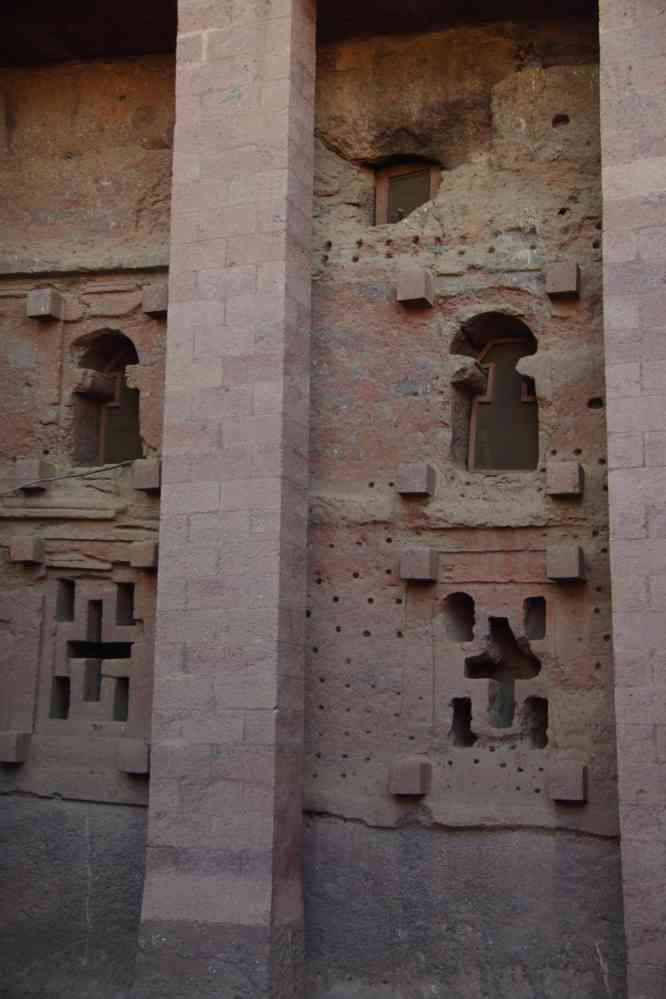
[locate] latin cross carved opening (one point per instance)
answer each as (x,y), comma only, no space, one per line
(95,682)
(503,661)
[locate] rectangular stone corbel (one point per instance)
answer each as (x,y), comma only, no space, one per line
(45,304)
(415,288)
(416,478)
(144,554)
(27,550)
(564,478)
(418,565)
(410,777)
(14,746)
(133,756)
(30,474)
(156,299)
(147,474)
(563,280)
(566,782)
(565,563)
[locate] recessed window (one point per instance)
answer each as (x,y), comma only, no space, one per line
(106,409)
(403,187)
(505,431)
(495,419)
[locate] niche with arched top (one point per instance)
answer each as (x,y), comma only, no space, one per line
(500,420)
(106,409)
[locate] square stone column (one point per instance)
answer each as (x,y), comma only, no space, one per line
(633,103)
(222,908)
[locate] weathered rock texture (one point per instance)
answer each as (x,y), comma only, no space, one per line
(460,764)
(399,669)
(71,877)
(398,914)
(85,150)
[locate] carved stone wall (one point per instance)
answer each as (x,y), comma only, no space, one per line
(79,545)
(459,654)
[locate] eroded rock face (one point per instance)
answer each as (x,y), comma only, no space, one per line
(512,116)
(85,150)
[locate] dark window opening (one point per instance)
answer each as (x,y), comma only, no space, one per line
(106,409)
(535,618)
(100,650)
(403,187)
(501,410)
(461,728)
(121,699)
(65,600)
(505,432)
(60,697)
(534,721)
(125,603)
(459,617)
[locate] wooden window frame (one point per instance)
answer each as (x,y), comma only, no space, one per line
(480,400)
(384,174)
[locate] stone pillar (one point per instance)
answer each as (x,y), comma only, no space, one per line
(222,908)
(633,102)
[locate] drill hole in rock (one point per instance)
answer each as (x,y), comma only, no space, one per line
(560,120)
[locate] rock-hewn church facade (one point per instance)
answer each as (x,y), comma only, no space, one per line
(332,516)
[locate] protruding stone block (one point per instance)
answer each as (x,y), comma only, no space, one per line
(144,554)
(96,385)
(133,756)
(418,565)
(566,781)
(156,298)
(147,474)
(410,777)
(468,376)
(565,563)
(564,478)
(416,479)
(14,746)
(45,303)
(563,280)
(31,473)
(28,550)
(415,287)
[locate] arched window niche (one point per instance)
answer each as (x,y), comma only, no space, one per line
(106,409)
(495,418)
